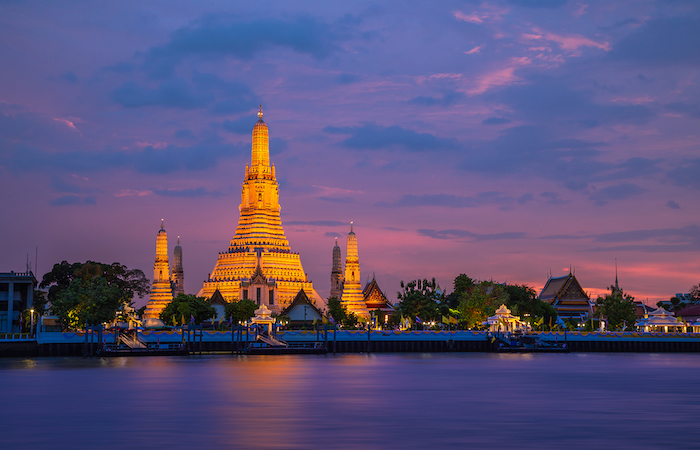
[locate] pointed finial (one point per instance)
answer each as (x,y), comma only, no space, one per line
(162,221)
(260,113)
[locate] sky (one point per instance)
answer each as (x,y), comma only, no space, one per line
(507,140)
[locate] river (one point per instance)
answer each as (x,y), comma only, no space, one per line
(353,401)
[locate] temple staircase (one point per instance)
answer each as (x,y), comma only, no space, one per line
(271,341)
(133,342)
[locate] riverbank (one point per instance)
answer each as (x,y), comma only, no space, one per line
(351,341)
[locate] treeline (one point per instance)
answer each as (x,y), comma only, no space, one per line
(470,303)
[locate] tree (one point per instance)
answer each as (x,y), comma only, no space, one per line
(695,294)
(340,314)
(523,302)
(676,305)
(131,281)
(40,302)
(462,284)
(476,305)
(240,311)
(618,309)
(185,306)
(90,301)
(421,298)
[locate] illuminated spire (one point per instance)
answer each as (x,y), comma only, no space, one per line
(261,146)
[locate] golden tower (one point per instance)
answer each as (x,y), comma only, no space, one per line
(161,292)
(259,265)
(353,299)
(336,273)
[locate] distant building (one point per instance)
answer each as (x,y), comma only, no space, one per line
(178,277)
(337,272)
(161,291)
(690,313)
(352,298)
(567,296)
(219,303)
(375,300)
(641,309)
(302,311)
(16,295)
(687,298)
(360,301)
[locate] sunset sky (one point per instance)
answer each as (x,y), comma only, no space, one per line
(501,139)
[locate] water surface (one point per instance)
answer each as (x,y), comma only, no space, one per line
(353,401)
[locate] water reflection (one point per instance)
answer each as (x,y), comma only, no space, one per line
(353,401)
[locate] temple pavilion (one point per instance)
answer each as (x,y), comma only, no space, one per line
(259,264)
(660,320)
(567,296)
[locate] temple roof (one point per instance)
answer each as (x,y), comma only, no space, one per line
(217,298)
(557,287)
(301,300)
(374,297)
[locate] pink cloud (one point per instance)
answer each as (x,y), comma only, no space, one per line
(500,77)
(572,42)
(132,193)
(67,123)
(476,49)
(472,18)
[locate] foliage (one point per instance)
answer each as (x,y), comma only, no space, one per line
(618,309)
(676,305)
(183,307)
(462,284)
(476,305)
(523,302)
(240,311)
(340,314)
(40,302)
(92,291)
(130,281)
(695,294)
(421,298)
(92,300)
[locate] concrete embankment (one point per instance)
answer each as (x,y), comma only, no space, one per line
(74,344)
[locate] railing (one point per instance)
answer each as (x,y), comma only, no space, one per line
(16,337)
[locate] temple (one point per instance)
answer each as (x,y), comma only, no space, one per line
(336,273)
(259,264)
(353,297)
(178,278)
(161,291)
(567,296)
